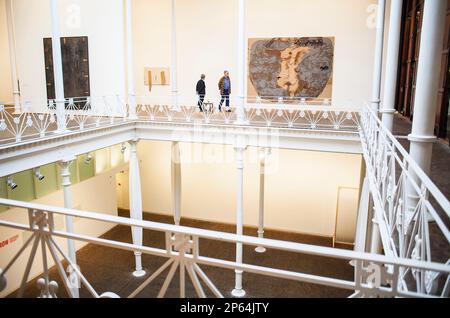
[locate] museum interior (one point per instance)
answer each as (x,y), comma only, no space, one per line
(239,148)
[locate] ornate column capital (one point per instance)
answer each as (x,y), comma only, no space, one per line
(65,163)
(133,145)
(264,153)
(134,141)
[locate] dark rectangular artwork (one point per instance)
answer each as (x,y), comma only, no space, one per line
(75,62)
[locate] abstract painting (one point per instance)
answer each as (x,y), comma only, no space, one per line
(156,76)
(291,68)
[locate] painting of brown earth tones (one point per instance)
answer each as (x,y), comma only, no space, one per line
(291,68)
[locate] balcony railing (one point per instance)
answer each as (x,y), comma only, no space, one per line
(182,252)
(38,121)
(412,214)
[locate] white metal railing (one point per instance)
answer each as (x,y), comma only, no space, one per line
(282,112)
(412,214)
(182,252)
(38,121)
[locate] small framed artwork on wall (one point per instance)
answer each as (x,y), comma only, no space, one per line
(156,76)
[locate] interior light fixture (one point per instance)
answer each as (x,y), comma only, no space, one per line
(88,158)
(11,183)
(38,174)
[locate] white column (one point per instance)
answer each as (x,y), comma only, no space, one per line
(238,291)
(174,59)
(378,62)
(131,94)
(12,54)
(363,216)
(262,171)
(375,241)
(242,53)
(57,68)
(176,182)
(427,85)
(65,182)
(136,204)
(390,86)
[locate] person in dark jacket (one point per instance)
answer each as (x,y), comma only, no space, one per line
(201,91)
(225,90)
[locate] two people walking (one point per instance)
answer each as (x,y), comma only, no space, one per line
(224,88)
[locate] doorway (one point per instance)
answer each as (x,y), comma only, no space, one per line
(122,190)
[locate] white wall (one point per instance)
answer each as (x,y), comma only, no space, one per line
(301,186)
(207,39)
(103,201)
(5,70)
(100,20)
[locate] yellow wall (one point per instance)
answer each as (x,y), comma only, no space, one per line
(301,186)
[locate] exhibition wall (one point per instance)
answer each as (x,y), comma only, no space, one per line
(301,187)
(100,20)
(207,33)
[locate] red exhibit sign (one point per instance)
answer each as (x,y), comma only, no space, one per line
(11,240)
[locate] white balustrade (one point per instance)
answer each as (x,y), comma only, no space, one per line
(405,233)
(38,121)
(182,252)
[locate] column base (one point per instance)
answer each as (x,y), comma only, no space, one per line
(238,293)
(140,273)
(260,249)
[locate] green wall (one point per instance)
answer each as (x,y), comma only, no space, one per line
(30,188)
(86,170)
(49,184)
(25,190)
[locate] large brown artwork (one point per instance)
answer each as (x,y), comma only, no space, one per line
(290,67)
(75,64)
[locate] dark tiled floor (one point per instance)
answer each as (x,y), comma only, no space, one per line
(109,269)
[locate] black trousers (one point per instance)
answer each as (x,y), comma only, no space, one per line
(201,98)
(226,98)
